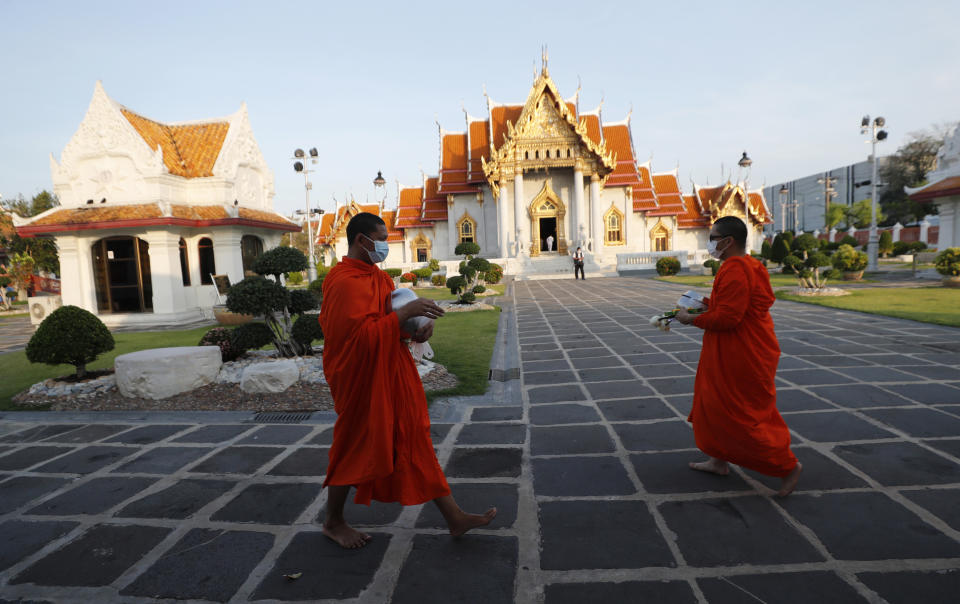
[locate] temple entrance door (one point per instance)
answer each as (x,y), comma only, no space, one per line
(121,269)
(548,228)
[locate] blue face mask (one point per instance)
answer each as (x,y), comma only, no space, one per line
(380,250)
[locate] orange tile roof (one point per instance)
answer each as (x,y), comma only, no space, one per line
(758,209)
(572,108)
(190,150)
(668,195)
(453,164)
(479,147)
(625,174)
(148,214)
(499,116)
(691,218)
(394,234)
(408,208)
(644,195)
(593,126)
(941,188)
(434,204)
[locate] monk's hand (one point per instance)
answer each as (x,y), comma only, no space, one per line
(423,334)
(684,317)
(421,307)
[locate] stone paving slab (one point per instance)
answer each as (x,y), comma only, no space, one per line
(584,457)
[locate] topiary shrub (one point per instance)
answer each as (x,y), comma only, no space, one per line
(306,330)
(765,249)
(804,243)
(918,246)
(393,272)
(948,262)
(713,265)
(279,261)
(295,278)
(848,260)
(467,248)
(780,249)
(251,336)
(667,266)
(468,298)
(423,273)
(791,265)
(478,289)
(885,245)
(833,274)
(70,335)
(438,280)
(900,248)
(316,290)
(222,338)
(494,274)
(408,278)
(849,240)
(456,284)
(434,264)
(811,276)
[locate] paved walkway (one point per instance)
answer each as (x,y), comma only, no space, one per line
(585,456)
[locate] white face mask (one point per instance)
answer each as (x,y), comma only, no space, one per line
(713,251)
(380,250)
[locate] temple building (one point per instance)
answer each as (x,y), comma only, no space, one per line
(943,190)
(530,182)
(150,212)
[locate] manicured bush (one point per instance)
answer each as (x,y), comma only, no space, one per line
(306,330)
(316,289)
(848,259)
(222,338)
(481,265)
(251,336)
(434,264)
(713,265)
(467,248)
(280,260)
(918,246)
(779,250)
(257,296)
(438,280)
(792,264)
(456,284)
(900,248)
(494,274)
(765,249)
(393,272)
(301,301)
(668,265)
(479,289)
(804,243)
(468,298)
(948,262)
(408,278)
(71,335)
(295,278)
(833,274)
(849,240)
(423,273)
(885,246)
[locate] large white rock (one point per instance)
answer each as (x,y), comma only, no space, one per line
(163,372)
(272,376)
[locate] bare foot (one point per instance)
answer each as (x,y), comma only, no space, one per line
(346,536)
(464,522)
(712,465)
(790,481)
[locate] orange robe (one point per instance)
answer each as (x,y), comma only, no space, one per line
(381,439)
(734,413)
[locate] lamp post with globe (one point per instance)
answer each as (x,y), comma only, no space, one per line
(299,158)
(876,135)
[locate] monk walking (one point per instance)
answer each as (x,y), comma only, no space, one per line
(734,415)
(381,439)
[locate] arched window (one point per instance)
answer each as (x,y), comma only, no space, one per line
(250,248)
(466,229)
(207,266)
(184,264)
(548,153)
(660,237)
(122,279)
(613,234)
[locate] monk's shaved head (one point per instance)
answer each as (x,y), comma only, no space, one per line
(363,223)
(731,226)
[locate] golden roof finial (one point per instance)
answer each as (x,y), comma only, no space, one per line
(544,58)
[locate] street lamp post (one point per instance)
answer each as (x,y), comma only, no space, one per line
(784,191)
(828,194)
(876,135)
(299,157)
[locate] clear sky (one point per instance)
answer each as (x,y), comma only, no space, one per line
(365,82)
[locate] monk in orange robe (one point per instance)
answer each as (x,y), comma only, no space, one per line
(381,439)
(734,415)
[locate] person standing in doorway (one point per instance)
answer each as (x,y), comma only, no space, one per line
(550,243)
(734,414)
(578,263)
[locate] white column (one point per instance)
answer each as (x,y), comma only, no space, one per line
(165,276)
(76,273)
(597,219)
(896,232)
(577,225)
(502,219)
(226,254)
(852,231)
(518,203)
(832,235)
(925,226)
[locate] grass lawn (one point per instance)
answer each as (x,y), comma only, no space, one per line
(19,373)
(940,305)
(776,280)
(442,293)
(14,315)
(463,343)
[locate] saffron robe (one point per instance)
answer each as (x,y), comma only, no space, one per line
(734,412)
(381,439)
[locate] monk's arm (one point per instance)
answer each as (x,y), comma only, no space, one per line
(354,317)
(733,293)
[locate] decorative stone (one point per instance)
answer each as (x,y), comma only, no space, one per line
(272,376)
(163,372)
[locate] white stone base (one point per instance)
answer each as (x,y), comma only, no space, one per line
(272,376)
(150,319)
(163,372)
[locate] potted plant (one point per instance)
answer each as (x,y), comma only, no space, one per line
(850,262)
(948,265)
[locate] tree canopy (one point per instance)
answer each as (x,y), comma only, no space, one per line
(43,250)
(908,167)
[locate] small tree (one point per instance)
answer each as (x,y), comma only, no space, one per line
(886,243)
(803,244)
(809,273)
(472,271)
(70,335)
(667,266)
(948,262)
(848,259)
(779,250)
(269,299)
(21,270)
(765,250)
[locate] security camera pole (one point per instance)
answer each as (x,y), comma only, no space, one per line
(876,135)
(299,166)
